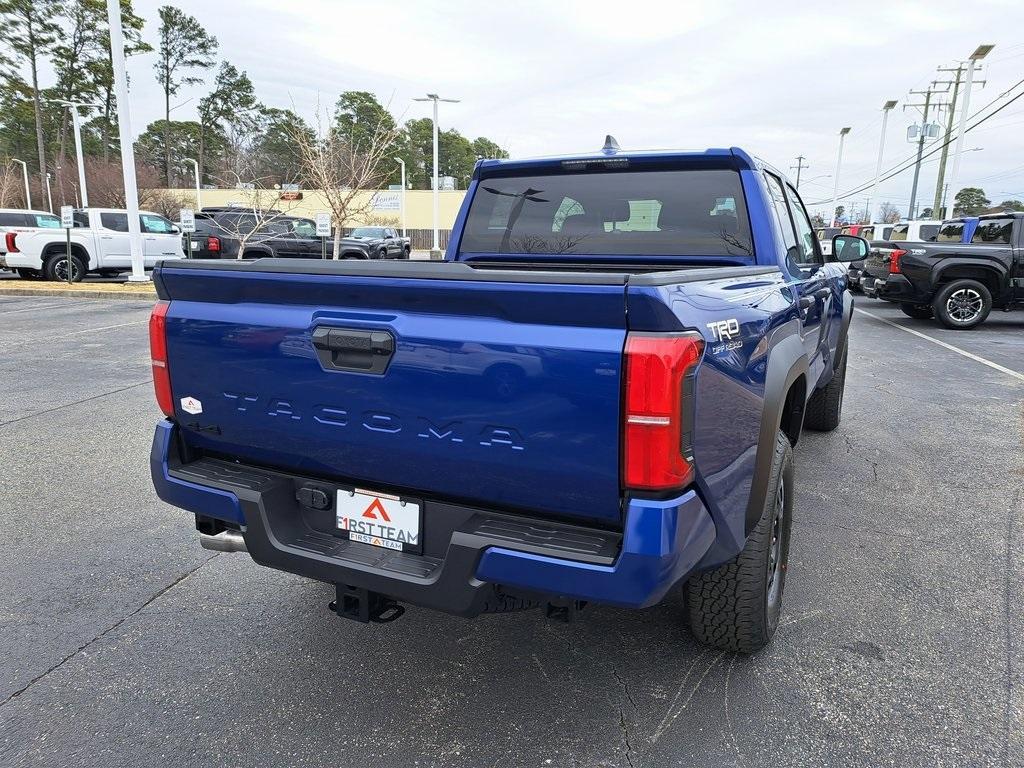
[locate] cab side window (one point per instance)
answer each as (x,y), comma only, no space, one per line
(809,255)
(156,225)
(118,222)
(778,200)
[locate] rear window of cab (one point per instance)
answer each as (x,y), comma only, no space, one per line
(699,212)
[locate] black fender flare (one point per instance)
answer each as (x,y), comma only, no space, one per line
(844,328)
(787,362)
(994,268)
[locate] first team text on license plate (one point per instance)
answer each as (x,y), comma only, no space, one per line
(379,519)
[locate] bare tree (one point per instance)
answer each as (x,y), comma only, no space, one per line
(12,190)
(888,213)
(341,166)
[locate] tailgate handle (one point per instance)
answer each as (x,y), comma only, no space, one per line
(353,349)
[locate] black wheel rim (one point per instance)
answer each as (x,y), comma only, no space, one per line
(775,551)
(964,305)
(60,270)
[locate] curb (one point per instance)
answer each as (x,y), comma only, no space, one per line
(86,294)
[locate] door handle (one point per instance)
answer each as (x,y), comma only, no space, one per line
(353,349)
(822,293)
(806,302)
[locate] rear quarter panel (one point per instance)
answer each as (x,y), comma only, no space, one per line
(730,384)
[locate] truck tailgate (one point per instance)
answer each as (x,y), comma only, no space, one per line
(429,380)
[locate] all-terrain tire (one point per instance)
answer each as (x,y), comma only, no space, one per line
(917,311)
(736,606)
(825,408)
(55,268)
(962,304)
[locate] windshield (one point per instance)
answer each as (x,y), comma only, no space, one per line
(642,213)
(368,232)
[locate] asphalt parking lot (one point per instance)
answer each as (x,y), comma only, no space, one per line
(126,644)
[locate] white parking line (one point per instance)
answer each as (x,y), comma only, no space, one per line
(950,347)
(34,306)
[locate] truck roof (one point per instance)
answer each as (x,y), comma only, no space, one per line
(1003,215)
(610,155)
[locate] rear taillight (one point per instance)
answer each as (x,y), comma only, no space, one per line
(213,243)
(658,445)
(158,356)
(894,260)
(10,241)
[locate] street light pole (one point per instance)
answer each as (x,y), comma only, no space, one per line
(24,174)
(124,130)
(76,123)
(435,252)
(886,108)
(980,53)
(195,170)
(49,197)
(401,162)
(839,161)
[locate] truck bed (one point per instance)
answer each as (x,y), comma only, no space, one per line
(502,385)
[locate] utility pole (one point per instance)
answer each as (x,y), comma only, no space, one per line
(980,53)
(920,143)
(799,167)
(959,71)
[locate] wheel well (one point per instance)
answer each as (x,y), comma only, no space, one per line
(61,250)
(353,255)
(793,409)
(987,277)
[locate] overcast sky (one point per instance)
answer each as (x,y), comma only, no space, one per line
(551,77)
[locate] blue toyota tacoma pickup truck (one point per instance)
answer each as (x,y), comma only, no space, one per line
(593,398)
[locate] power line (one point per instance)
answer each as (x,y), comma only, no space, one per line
(896,170)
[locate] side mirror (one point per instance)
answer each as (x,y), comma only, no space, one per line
(847,248)
(175,229)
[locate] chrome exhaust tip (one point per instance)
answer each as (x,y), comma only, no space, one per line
(225,541)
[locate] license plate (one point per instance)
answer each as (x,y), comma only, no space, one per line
(379,519)
(195,245)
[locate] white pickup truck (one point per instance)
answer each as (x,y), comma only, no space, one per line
(99,243)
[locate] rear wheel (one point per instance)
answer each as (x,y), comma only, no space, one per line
(736,606)
(825,408)
(56,268)
(962,304)
(916,311)
(408,252)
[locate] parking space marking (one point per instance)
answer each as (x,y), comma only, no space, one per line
(950,347)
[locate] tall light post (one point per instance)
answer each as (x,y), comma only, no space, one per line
(886,108)
(401,162)
(49,197)
(435,252)
(839,161)
(124,131)
(195,170)
(24,175)
(76,122)
(980,53)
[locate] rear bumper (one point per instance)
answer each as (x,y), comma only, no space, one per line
(470,555)
(895,288)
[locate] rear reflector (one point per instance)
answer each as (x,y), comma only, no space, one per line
(658,429)
(10,242)
(894,260)
(158,356)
